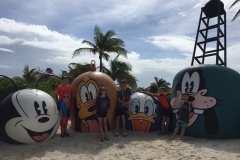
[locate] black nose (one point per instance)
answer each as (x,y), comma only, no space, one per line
(43,120)
(191,98)
(91,109)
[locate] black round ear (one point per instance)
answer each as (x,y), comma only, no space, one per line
(47,75)
(211,121)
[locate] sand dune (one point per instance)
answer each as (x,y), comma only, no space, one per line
(143,146)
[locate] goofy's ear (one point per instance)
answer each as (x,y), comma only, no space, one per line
(211,121)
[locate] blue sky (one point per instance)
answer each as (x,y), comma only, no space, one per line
(159,34)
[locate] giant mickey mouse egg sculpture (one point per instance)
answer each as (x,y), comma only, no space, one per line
(85,89)
(28,116)
(214,92)
(144,113)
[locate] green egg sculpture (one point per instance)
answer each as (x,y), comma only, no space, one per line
(215,95)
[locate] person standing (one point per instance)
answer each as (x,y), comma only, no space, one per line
(166,109)
(63,116)
(182,121)
(63,89)
(102,106)
(123,102)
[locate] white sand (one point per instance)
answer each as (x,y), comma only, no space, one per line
(145,146)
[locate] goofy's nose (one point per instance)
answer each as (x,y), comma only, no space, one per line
(191,98)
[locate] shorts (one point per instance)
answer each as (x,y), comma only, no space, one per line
(102,114)
(120,111)
(64,122)
(182,124)
(167,112)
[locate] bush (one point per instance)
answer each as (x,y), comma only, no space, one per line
(7,87)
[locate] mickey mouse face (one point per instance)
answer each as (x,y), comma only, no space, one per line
(38,118)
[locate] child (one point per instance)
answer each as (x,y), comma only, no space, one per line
(166,109)
(102,106)
(183,109)
(63,116)
(63,89)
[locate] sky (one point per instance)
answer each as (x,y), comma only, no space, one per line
(159,35)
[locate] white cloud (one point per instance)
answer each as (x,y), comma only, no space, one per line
(169,42)
(38,36)
(1,66)
(183,14)
(148,68)
(8,41)
(200,4)
(6,50)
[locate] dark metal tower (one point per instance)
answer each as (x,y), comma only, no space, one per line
(213,9)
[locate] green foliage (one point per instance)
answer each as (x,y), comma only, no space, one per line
(76,69)
(141,89)
(153,88)
(29,76)
(7,87)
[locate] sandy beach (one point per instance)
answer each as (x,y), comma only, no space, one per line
(143,146)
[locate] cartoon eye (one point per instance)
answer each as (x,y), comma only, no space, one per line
(84,94)
(195,82)
(185,82)
(135,106)
(186,87)
(149,108)
(36,105)
(92,91)
(190,84)
(44,107)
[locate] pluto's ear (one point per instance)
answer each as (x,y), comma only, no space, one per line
(211,121)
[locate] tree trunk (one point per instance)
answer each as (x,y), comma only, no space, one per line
(100,58)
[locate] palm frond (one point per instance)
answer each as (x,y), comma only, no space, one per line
(234,3)
(84,50)
(89,43)
(236,15)
(105,56)
(110,34)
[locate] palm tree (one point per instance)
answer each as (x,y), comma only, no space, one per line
(63,73)
(104,44)
(29,76)
(121,70)
(159,83)
(75,69)
(238,12)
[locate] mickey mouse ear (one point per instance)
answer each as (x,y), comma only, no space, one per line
(10,80)
(47,75)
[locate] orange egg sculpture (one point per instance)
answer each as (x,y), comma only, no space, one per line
(85,89)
